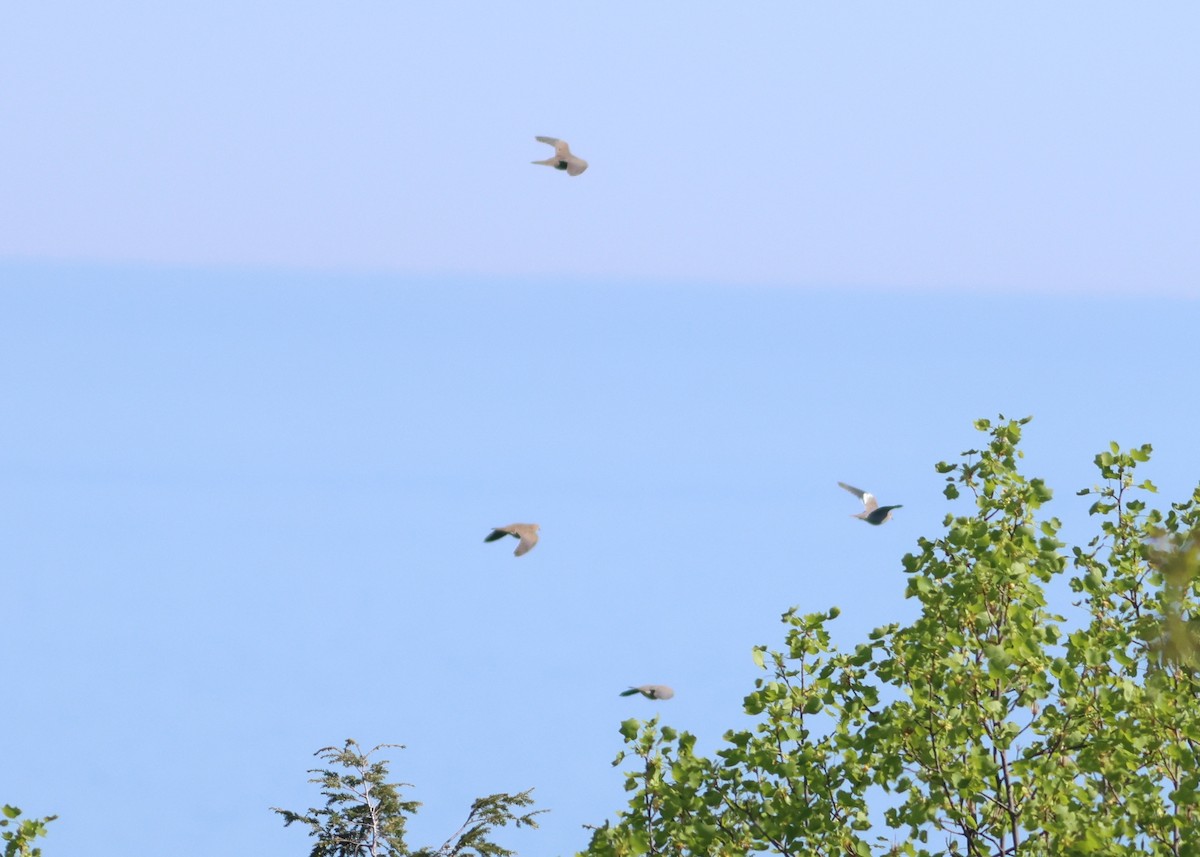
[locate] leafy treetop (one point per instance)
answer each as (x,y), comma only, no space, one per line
(984,727)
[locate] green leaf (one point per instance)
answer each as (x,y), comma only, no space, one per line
(998,659)
(630,728)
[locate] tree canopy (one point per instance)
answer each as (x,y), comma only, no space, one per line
(990,725)
(365,815)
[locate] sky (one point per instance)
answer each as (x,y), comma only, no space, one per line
(288,323)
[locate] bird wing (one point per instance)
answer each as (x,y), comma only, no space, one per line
(857,492)
(527,533)
(866,496)
(880,515)
(528,540)
(660,691)
(575,165)
(561,149)
(498,533)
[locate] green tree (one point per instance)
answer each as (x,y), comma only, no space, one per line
(364,814)
(989,725)
(18,842)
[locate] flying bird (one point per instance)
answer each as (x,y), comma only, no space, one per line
(873,513)
(527,533)
(650,691)
(563,159)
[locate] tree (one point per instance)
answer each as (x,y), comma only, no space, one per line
(989,725)
(364,814)
(19,841)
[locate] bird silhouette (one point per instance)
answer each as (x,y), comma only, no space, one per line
(527,533)
(563,159)
(872,512)
(650,691)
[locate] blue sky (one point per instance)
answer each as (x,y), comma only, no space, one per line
(288,322)
(1018,147)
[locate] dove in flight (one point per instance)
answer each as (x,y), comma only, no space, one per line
(650,691)
(563,159)
(527,533)
(873,513)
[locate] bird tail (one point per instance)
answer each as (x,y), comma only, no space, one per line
(630,692)
(549,162)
